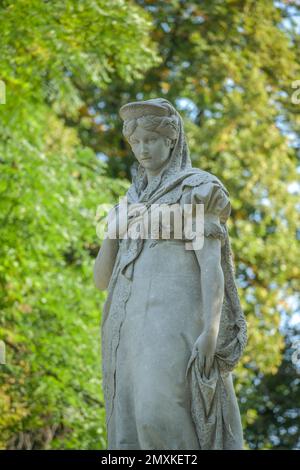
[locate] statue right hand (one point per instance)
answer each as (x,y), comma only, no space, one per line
(116,221)
(119,218)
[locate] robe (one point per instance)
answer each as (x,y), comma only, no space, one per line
(156,396)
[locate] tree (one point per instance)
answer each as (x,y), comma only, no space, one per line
(229,67)
(272,409)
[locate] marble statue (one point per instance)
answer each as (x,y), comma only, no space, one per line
(172,327)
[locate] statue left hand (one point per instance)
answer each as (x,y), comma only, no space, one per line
(205,347)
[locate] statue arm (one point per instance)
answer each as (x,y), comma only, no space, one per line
(212,288)
(116,228)
(212,283)
(105,262)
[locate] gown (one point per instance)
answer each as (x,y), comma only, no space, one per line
(146,349)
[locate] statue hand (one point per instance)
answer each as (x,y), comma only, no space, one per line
(117,220)
(205,347)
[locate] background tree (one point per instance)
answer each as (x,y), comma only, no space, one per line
(274,402)
(50,186)
(229,67)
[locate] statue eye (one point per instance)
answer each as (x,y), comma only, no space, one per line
(134,141)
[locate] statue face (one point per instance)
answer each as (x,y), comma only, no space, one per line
(151,149)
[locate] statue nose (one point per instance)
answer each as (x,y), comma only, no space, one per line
(144,149)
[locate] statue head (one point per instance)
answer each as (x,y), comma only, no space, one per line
(151,138)
(154,130)
(151,128)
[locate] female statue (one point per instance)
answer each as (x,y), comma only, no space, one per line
(172,325)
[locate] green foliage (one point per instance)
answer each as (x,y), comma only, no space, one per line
(50,186)
(275,422)
(229,66)
(68,67)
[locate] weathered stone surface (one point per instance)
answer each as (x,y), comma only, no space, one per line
(172,324)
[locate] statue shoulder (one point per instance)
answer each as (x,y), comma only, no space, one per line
(204,187)
(200,177)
